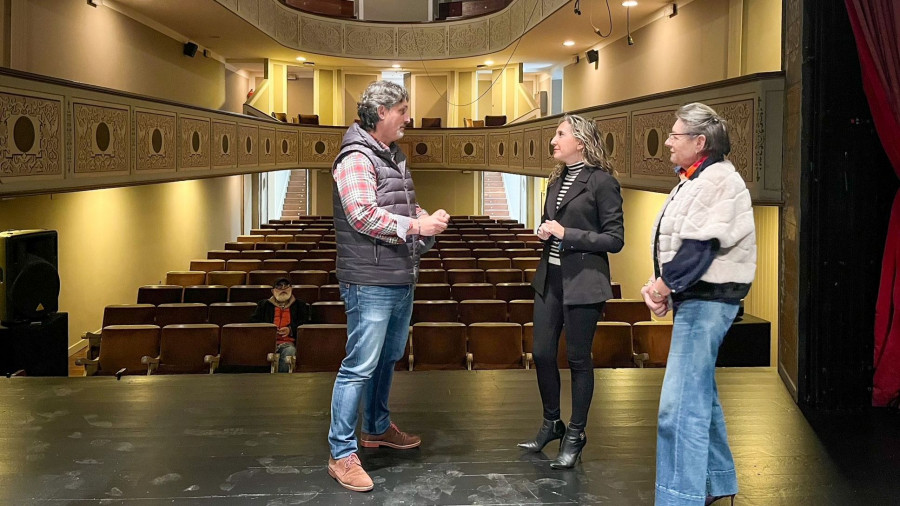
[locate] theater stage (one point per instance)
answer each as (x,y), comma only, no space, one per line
(261,439)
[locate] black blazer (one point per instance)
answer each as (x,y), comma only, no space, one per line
(591,213)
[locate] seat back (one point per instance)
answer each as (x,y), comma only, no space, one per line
(465,276)
(183,347)
(494,276)
(219,254)
(329,312)
(521,311)
(159,294)
(439,346)
(432,276)
(308,119)
(207,265)
(330,292)
(455,253)
(124,346)
(245,265)
(496,345)
(654,339)
(306,293)
(432,291)
(434,311)
(526,262)
(512,291)
(181,313)
(265,277)
(317,264)
(226,278)
(467,291)
(626,310)
(129,314)
(244,347)
(431,122)
(612,345)
(223,313)
(460,263)
(305,277)
(320,347)
(249,293)
(284,265)
(206,294)
(482,310)
(495,120)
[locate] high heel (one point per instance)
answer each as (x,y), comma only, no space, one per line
(549,431)
(711,499)
(570,449)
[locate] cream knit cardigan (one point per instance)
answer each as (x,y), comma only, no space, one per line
(714,205)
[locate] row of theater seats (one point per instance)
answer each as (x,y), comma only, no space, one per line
(207,348)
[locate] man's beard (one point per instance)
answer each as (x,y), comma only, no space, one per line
(283,297)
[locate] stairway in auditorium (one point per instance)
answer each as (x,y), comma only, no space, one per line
(494,199)
(295,198)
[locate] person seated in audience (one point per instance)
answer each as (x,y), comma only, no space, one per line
(287,313)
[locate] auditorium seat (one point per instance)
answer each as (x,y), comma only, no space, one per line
(527,237)
(265,277)
(317,264)
(308,119)
(434,311)
(481,310)
(320,347)
(432,253)
(183,348)
(239,246)
(226,278)
(512,291)
(432,276)
(280,238)
(496,346)
(509,244)
(129,314)
(301,277)
(521,311)
(291,254)
(303,246)
(494,276)
(493,263)
(535,245)
(306,293)
(280,264)
(122,347)
(223,254)
(159,294)
(612,345)
(246,347)
(271,246)
(179,313)
(257,254)
(207,265)
(327,245)
(252,238)
(431,263)
(439,346)
(432,291)
(185,278)
(460,263)
(617,290)
(330,292)
(431,122)
(465,276)
(329,312)
(528,274)
(466,291)
(327,254)
(454,243)
(456,253)
(651,341)
(494,121)
(249,293)
(243,265)
(205,294)
(626,310)
(526,262)
(514,253)
(307,238)
(223,313)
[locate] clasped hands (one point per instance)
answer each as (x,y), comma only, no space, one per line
(656,296)
(431,224)
(550,227)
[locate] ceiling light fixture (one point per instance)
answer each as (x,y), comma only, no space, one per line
(569,43)
(301,58)
(489,62)
(395,66)
(629,3)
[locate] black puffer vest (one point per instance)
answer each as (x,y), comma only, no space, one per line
(363,259)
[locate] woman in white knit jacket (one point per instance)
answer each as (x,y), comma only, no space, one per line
(704,257)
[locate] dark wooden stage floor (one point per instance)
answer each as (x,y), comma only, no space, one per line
(261,439)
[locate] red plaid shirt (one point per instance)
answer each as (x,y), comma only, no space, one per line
(356,181)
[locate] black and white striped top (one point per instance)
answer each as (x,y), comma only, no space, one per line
(571,173)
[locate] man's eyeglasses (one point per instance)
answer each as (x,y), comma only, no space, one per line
(281,287)
(674,134)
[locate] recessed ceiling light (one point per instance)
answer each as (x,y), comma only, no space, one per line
(301,58)
(395,66)
(569,43)
(629,3)
(489,62)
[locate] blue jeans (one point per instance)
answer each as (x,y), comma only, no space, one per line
(284,351)
(693,459)
(377,331)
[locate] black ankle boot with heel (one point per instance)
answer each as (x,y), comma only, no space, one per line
(711,499)
(570,449)
(550,430)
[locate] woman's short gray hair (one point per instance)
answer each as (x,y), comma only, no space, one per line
(702,119)
(378,93)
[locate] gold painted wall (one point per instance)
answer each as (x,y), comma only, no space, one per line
(354,86)
(452,190)
(464,97)
(761,45)
(236,88)
(99,46)
(762,301)
(324,103)
(300,97)
(113,241)
(429,94)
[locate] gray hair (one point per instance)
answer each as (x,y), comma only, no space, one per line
(701,119)
(378,93)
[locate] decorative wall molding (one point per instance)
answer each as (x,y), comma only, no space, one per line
(50,139)
(310,33)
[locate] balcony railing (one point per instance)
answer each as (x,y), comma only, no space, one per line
(330,8)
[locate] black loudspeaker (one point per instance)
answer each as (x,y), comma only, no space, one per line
(593,55)
(40,348)
(29,280)
(190,49)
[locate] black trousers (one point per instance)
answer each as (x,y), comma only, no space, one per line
(550,314)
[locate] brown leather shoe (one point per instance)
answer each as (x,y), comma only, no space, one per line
(349,473)
(392,438)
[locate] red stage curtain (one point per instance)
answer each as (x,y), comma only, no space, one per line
(876,27)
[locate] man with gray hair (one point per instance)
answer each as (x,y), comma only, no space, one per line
(381,233)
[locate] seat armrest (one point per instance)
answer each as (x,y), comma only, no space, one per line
(90,365)
(469,359)
(152,363)
(213,361)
